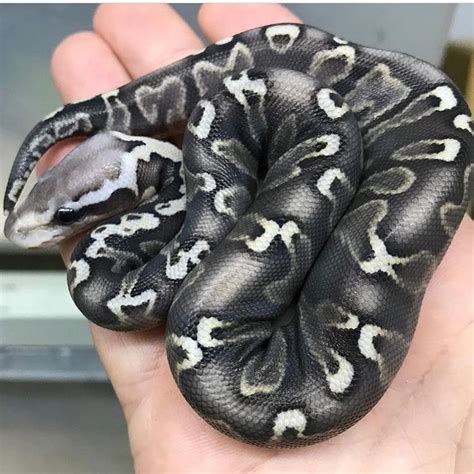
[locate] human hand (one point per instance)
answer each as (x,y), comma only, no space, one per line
(425,420)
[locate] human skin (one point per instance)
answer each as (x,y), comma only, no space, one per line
(424,423)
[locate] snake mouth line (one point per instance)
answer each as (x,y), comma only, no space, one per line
(41,236)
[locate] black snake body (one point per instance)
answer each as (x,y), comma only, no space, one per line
(321,184)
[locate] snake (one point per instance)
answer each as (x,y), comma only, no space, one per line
(280,200)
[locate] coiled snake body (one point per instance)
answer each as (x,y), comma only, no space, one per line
(289,251)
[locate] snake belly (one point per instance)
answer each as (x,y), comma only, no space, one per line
(289,244)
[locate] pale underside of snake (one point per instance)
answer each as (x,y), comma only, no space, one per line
(289,250)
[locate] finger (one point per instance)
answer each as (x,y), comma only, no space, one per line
(160,35)
(217,21)
(82,66)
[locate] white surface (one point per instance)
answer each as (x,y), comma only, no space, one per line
(36,295)
(36,309)
(62,429)
(462,27)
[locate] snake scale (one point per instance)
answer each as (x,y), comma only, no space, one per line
(289,251)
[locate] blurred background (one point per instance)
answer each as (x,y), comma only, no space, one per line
(58,413)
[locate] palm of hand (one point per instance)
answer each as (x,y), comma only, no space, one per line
(423,423)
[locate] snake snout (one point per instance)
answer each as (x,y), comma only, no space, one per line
(11,230)
(24,233)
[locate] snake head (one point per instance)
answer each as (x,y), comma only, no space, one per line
(74,195)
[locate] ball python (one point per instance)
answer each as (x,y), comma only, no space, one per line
(287,244)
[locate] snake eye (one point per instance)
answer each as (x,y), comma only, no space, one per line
(65,215)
